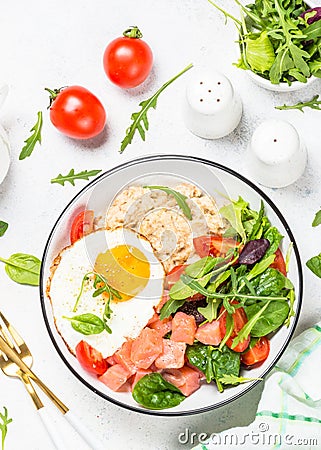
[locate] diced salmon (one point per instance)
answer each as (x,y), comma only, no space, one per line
(153,319)
(146,348)
(162,326)
(122,357)
(115,377)
(174,376)
(183,328)
(172,356)
(140,374)
(192,381)
(209,333)
(111,361)
(164,299)
(201,374)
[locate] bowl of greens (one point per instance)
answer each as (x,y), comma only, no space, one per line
(279,42)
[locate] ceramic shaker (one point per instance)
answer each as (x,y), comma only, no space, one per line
(276,156)
(212,109)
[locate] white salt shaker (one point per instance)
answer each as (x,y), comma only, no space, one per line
(4,143)
(276,156)
(212,109)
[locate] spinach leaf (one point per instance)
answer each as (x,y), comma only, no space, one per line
(260,267)
(233,213)
(270,319)
(3,227)
(154,392)
(225,362)
(202,266)
(271,282)
(87,324)
(197,356)
(170,307)
(314,264)
(23,268)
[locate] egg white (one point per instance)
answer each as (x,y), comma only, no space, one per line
(128,317)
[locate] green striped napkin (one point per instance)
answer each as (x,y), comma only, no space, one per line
(289,412)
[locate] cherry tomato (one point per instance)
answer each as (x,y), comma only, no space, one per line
(279,262)
(128,60)
(213,245)
(257,354)
(76,112)
(82,225)
(90,359)
(173,276)
(239,319)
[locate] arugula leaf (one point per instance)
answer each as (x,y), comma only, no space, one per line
(23,268)
(314,264)
(180,199)
(229,330)
(86,324)
(140,120)
(201,267)
(234,380)
(33,139)
(314,103)
(170,307)
(180,290)
(107,315)
(317,218)
(3,227)
(210,310)
(72,176)
(4,425)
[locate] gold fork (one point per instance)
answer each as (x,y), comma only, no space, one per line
(16,361)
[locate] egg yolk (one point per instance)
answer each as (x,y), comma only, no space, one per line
(126,269)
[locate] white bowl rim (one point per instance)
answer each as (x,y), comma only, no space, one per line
(169,157)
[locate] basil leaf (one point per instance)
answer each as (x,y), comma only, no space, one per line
(86,324)
(23,268)
(170,307)
(317,218)
(154,392)
(314,264)
(267,318)
(3,227)
(180,199)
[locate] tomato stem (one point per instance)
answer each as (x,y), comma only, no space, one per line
(133,32)
(53,95)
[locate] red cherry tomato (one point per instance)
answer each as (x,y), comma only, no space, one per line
(173,276)
(82,225)
(240,319)
(90,359)
(279,262)
(76,112)
(213,245)
(128,60)
(258,354)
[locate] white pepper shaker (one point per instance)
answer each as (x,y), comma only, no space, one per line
(212,109)
(276,156)
(4,143)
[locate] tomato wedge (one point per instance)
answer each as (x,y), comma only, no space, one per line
(173,275)
(279,262)
(82,225)
(213,245)
(258,354)
(91,359)
(239,319)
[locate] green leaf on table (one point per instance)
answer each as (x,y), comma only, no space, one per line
(23,268)
(87,323)
(72,176)
(33,139)
(317,218)
(140,120)
(314,264)
(314,103)
(4,425)
(180,198)
(3,227)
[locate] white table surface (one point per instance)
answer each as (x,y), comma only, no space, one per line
(59,43)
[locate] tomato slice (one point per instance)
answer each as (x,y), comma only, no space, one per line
(239,319)
(90,359)
(257,354)
(82,225)
(279,262)
(213,245)
(173,275)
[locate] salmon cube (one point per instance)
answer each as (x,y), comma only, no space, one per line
(111,361)
(146,348)
(209,333)
(162,326)
(122,357)
(173,356)
(174,376)
(115,377)
(140,374)
(192,381)
(183,328)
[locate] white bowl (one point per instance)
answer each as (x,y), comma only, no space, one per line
(218,181)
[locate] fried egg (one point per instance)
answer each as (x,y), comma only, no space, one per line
(127,261)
